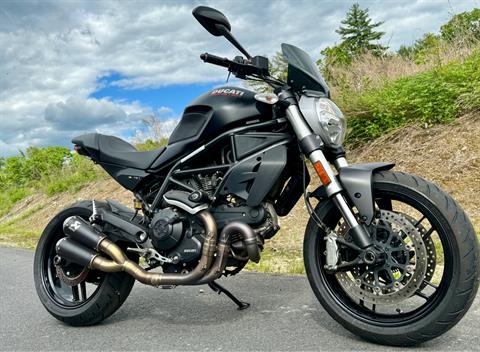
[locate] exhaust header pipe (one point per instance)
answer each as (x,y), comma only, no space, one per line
(82,234)
(250,240)
(84,242)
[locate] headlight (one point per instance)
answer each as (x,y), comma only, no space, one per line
(325,119)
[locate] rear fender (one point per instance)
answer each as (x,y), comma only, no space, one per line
(357,182)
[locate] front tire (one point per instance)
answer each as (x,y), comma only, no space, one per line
(106,293)
(456,289)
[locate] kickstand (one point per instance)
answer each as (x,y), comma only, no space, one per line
(219,289)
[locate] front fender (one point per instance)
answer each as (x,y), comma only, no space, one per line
(356,180)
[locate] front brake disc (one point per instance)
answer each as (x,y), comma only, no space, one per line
(431,251)
(382,285)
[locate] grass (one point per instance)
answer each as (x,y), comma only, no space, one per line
(12,234)
(71,179)
(279,261)
(11,196)
(65,178)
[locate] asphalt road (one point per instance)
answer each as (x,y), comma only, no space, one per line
(284,315)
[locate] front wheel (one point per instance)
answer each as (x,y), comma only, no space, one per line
(429,273)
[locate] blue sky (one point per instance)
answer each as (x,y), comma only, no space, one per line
(173,96)
(71,67)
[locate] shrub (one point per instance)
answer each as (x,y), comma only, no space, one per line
(435,96)
(32,165)
(150,144)
(72,176)
(52,170)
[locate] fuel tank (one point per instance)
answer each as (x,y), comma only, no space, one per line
(210,115)
(217,111)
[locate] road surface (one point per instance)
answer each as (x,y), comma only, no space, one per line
(284,315)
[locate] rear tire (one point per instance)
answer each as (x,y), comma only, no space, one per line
(113,289)
(456,291)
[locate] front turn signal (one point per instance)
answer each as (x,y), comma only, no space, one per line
(322,173)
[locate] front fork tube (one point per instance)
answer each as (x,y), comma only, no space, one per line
(333,188)
(334,191)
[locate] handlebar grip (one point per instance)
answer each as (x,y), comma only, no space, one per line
(215,60)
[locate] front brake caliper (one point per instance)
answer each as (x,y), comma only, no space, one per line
(332,252)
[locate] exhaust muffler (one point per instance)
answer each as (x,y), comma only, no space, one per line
(75,252)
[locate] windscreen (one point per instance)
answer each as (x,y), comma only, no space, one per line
(303,73)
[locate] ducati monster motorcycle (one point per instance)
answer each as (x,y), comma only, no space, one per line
(389,255)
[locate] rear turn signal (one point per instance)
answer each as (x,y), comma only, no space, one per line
(322,173)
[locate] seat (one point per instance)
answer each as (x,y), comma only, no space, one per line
(113,150)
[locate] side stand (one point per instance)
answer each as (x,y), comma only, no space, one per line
(219,289)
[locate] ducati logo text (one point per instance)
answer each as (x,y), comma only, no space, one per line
(227,92)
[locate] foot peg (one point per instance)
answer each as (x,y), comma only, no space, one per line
(220,289)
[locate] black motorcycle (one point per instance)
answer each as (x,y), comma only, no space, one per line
(389,255)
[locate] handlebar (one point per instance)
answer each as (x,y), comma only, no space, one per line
(215,60)
(240,67)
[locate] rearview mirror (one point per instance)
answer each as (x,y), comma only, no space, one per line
(212,20)
(217,24)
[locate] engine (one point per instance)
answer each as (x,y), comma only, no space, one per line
(175,235)
(179,236)
(167,229)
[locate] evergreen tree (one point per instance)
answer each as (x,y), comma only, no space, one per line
(358,32)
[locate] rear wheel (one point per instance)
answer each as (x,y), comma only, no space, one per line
(429,275)
(74,294)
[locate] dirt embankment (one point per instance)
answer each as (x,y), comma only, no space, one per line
(25,222)
(448,155)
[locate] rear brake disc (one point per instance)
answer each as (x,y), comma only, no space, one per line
(69,277)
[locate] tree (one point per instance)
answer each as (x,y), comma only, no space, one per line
(358,36)
(153,136)
(465,25)
(40,162)
(155,127)
(422,49)
(278,68)
(332,56)
(358,33)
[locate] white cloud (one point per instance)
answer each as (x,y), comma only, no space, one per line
(53,53)
(164,110)
(77,113)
